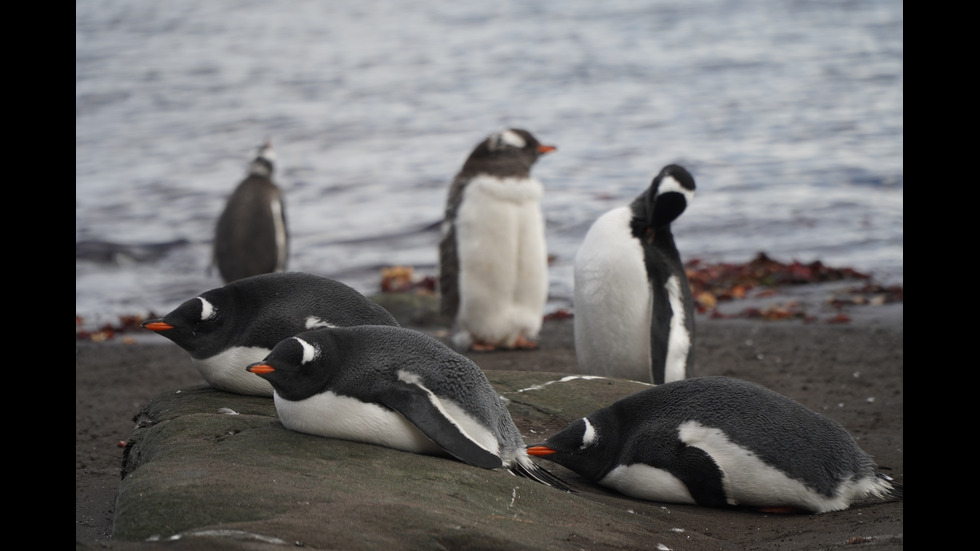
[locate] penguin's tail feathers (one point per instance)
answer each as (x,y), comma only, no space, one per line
(889,488)
(523,466)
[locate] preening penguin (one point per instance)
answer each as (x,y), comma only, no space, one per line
(493,261)
(227,328)
(634,314)
(251,236)
(719,442)
(397,388)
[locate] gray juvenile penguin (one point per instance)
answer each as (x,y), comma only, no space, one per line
(493,260)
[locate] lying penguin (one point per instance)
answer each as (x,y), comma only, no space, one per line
(227,328)
(397,388)
(720,442)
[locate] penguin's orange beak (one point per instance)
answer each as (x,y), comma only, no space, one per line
(540,450)
(260,369)
(546,149)
(156,325)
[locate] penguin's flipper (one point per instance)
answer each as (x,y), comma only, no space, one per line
(449,251)
(448,274)
(704,479)
(434,418)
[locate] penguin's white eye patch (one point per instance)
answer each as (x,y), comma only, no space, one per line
(589,436)
(669,184)
(508,137)
(268,154)
(310,352)
(208,311)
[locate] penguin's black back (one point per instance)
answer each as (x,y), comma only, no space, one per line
(265,309)
(245,242)
(366,360)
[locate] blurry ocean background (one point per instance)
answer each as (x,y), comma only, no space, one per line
(789,114)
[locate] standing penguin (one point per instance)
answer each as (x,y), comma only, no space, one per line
(397,388)
(634,314)
(227,328)
(250,237)
(493,261)
(719,442)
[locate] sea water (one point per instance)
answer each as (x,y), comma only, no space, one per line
(789,114)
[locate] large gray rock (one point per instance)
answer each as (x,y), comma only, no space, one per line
(197,478)
(209,466)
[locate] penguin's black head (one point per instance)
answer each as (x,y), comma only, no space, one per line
(508,153)
(297,368)
(195,326)
(264,163)
(667,197)
(579,447)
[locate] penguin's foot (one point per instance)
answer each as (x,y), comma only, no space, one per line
(481,346)
(523,343)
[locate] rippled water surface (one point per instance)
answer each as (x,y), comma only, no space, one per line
(788,113)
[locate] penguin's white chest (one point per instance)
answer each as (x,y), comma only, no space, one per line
(334,416)
(646,482)
(613,303)
(499,222)
(226,371)
(503,258)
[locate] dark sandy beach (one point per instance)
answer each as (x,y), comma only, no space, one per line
(852,372)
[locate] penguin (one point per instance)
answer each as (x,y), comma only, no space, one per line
(397,388)
(229,327)
(633,310)
(250,237)
(719,442)
(493,260)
